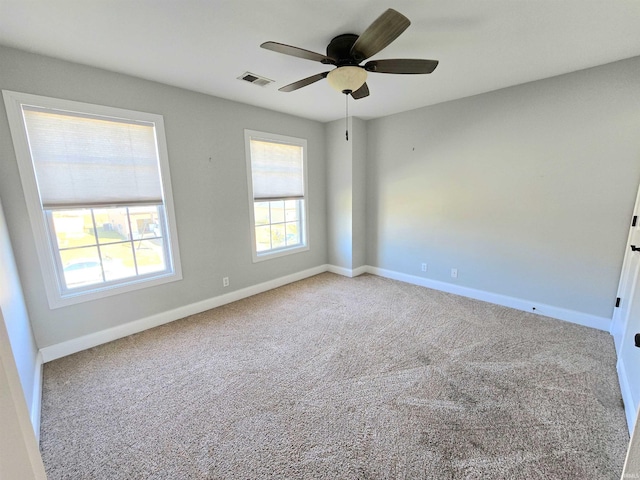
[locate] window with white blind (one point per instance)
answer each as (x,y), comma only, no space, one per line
(276,166)
(96,182)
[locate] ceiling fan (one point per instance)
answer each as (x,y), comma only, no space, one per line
(347,51)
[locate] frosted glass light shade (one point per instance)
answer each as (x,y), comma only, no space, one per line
(347,78)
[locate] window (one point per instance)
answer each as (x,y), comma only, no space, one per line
(96,182)
(276,168)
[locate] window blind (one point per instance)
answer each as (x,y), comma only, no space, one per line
(89,160)
(276,170)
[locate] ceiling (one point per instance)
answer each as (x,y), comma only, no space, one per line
(204,45)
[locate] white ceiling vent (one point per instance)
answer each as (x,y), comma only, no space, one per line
(255,79)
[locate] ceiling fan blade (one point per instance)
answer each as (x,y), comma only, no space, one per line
(384,30)
(304,82)
(362,92)
(401,65)
(297,52)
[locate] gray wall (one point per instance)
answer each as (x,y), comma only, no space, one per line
(16,319)
(339,196)
(528,190)
(205,139)
(358,136)
(346,200)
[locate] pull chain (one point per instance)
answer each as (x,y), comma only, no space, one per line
(346,117)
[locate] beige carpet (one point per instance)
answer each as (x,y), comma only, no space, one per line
(339,378)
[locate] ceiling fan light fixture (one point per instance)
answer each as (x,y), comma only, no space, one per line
(347,79)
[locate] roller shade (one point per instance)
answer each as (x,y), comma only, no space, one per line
(89,160)
(276,170)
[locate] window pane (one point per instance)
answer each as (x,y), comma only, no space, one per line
(261,212)
(81,266)
(277,211)
(145,222)
(284,228)
(150,255)
(111,224)
(291,210)
(118,261)
(293,234)
(278,236)
(263,238)
(74,228)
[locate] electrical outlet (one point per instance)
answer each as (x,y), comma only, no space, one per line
(424,267)
(225,282)
(454,273)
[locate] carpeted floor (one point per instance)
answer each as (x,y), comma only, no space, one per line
(339,378)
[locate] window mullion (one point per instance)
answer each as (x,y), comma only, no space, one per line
(270,228)
(95,235)
(165,237)
(133,247)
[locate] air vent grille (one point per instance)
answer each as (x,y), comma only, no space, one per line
(255,79)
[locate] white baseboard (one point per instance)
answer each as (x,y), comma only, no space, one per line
(588,320)
(36,399)
(346,272)
(69,347)
(630,407)
(62,349)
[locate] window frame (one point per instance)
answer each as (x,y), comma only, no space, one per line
(304,210)
(58,294)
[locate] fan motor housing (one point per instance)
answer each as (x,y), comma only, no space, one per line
(340,49)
